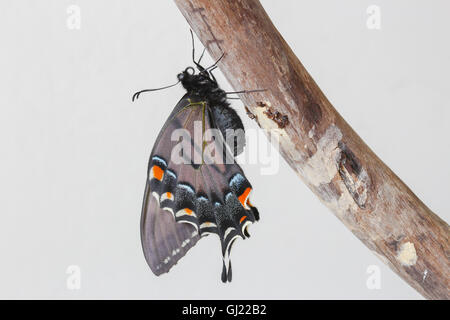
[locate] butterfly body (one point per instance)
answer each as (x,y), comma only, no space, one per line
(184,202)
(203,87)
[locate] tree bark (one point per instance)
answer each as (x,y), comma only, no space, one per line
(320,146)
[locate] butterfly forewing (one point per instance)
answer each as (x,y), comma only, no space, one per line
(201,195)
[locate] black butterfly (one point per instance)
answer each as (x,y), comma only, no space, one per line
(184,202)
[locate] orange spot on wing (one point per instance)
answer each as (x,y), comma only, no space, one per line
(243,197)
(169,195)
(188,211)
(242,219)
(158,173)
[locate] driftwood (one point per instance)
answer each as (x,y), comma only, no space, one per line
(320,146)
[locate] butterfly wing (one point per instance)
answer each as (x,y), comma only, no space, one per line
(164,241)
(199,196)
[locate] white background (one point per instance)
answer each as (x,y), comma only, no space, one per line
(74,149)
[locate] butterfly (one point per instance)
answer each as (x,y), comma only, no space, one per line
(185,201)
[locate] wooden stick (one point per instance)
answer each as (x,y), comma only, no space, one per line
(320,146)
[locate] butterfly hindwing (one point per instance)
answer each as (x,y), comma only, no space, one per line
(185,201)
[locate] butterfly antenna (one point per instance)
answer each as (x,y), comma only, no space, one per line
(136,95)
(193,46)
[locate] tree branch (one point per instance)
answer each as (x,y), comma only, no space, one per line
(320,146)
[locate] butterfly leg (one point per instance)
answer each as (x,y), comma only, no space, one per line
(197,63)
(214,65)
(246,91)
(212,76)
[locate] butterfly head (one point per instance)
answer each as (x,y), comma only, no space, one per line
(200,84)
(186,75)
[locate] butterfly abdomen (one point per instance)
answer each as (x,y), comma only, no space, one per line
(229,123)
